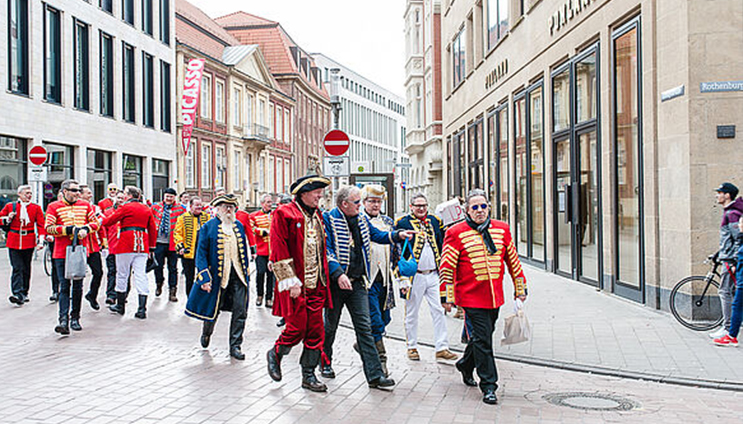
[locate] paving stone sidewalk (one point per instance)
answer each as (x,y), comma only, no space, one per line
(575,325)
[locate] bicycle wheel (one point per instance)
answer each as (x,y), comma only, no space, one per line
(695,303)
(48,262)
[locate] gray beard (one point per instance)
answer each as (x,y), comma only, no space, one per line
(227,219)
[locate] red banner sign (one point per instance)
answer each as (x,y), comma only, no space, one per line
(190,100)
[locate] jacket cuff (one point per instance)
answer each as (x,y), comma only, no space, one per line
(284,269)
(288,283)
(336,274)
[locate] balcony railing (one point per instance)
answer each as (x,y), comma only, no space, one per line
(256,132)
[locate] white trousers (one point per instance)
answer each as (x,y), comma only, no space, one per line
(125,264)
(425,286)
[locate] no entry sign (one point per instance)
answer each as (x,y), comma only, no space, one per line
(37,155)
(336,142)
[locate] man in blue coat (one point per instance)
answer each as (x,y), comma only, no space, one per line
(349,237)
(222,274)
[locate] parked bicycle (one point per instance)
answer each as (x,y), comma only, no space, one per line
(695,302)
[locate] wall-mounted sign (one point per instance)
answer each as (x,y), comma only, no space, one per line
(672,93)
(568,10)
(726,131)
(718,86)
(496,74)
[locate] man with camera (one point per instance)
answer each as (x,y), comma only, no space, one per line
(186,229)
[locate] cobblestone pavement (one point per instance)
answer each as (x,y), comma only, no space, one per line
(575,325)
(121,370)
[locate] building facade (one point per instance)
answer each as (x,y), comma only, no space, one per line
(93,83)
(299,78)
(599,136)
(241,139)
(374,119)
(424,98)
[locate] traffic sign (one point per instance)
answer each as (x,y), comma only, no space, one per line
(336,142)
(37,174)
(37,155)
(337,166)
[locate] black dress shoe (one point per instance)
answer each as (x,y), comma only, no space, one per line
(310,382)
(205,340)
(26,299)
(93,302)
(327,371)
(62,329)
(159,289)
(382,383)
(281,323)
(75,324)
(274,364)
(467,378)
(54,297)
(16,300)
(110,301)
(489,397)
(236,353)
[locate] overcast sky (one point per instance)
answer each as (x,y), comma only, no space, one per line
(365,36)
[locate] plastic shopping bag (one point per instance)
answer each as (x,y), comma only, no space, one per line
(516,327)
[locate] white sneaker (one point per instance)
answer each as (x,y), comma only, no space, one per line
(717,334)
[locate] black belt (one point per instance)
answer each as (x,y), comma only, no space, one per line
(133,229)
(21,232)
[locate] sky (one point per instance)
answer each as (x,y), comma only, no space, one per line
(365,36)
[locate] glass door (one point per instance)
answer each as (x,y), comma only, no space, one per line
(563,226)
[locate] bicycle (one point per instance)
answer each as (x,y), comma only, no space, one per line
(47,258)
(695,302)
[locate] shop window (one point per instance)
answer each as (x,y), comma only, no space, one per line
(13,166)
(160,178)
(99,172)
(132,171)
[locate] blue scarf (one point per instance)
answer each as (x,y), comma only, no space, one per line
(165,221)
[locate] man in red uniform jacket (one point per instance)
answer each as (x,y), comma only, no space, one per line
(64,219)
(261,221)
(112,240)
(108,203)
(26,230)
(94,243)
(166,215)
(471,273)
(300,262)
(244,218)
(137,239)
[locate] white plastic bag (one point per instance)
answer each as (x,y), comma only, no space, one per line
(516,328)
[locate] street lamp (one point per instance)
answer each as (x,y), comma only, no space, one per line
(335,99)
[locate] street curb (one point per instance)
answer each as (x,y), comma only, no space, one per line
(598,370)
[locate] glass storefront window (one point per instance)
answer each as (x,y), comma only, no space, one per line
(99,172)
(132,171)
(585,89)
(537,173)
(475,156)
(521,174)
(160,178)
(503,179)
(561,101)
(13,163)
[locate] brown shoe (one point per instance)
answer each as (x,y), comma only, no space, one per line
(413,355)
(446,355)
(172,296)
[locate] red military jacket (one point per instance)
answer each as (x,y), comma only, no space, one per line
(288,228)
(261,223)
(60,215)
(106,204)
(472,278)
(137,228)
(24,236)
(244,219)
(112,231)
(175,211)
(96,240)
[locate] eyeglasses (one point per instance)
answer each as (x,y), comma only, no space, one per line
(419,206)
(73,190)
(113,189)
(356,202)
(482,206)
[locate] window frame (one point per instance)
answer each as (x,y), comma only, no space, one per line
(21,73)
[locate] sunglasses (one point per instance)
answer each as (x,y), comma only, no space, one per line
(356,202)
(419,206)
(482,206)
(73,190)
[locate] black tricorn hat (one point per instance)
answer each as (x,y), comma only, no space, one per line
(309,182)
(230,199)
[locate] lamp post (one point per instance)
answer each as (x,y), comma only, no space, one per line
(335,99)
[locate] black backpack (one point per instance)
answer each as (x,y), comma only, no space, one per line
(6,223)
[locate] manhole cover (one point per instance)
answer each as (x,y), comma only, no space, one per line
(591,401)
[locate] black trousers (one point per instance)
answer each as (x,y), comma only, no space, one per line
(357,303)
(96,268)
(64,293)
(264,276)
(239,294)
(189,271)
(20,260)
(163,252)
(111,276)
(479,352)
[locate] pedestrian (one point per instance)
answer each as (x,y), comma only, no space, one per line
(473,245)
(223,274)
(111,191)
(55,278)
(727,197)
(93,243)
(25,222)
(186,229)
(166,214)
(349,238)
(299,258)
(427,244)
(112,241)
(260,221)
(136,242)
(244,217)
(184,199)
(736,313)
(66,219)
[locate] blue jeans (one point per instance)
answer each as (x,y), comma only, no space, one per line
(64,293)
(737,307)
(378,315)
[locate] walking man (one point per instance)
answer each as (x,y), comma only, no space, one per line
(112,241)
(137,239)
(427,244)
(66,219)
(473,245)
(223,272)
(94,243)
(166,214)
(299,258)
(26,222)
(261,221)
(349,260)
(186,229)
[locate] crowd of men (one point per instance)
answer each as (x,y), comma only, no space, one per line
(310,264)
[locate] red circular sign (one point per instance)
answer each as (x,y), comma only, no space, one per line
(336,142)
(37,155)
